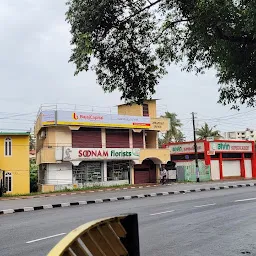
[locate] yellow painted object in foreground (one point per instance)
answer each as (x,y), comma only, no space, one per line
(116,236)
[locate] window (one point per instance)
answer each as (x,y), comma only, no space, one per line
(87,172)
(118,170)
(231,155)
(247,155)
(217,155)
(8,147)
(186,157)
(8,181)
(145,110)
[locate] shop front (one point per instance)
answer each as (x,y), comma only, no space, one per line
(231,159)
(97,166)
(218,159)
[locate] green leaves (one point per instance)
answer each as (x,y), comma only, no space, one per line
(205,131)
(133,41)
(174,134)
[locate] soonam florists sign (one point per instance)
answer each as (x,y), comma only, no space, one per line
(81,154)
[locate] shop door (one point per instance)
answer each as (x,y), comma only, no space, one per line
(231,168)
(248,168)
(215,169)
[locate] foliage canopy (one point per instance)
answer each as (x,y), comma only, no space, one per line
(133,41)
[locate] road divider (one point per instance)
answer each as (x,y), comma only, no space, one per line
(122,198)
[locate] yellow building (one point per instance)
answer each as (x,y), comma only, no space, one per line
(14,161)
(86,148)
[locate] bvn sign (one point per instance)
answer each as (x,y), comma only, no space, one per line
(223,146)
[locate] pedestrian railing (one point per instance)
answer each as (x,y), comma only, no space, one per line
(116,236)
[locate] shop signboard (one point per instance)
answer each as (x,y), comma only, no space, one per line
(160,124)
(231,146)
(185,148)
(83,154)
(102,120)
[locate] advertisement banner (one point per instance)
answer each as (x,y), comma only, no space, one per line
(160,124)
(48,117)
(231,146)
(83,154)
(186,148)
(102,120)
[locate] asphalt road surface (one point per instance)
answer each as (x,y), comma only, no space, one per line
(215,223)
(13,204)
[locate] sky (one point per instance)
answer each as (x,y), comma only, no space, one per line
(35,49)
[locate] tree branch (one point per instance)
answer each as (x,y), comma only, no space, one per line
(169,26)
(244,39)
(139,11)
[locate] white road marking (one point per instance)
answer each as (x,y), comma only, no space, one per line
(203,205)
(247,199)
(158,213)
(44,238)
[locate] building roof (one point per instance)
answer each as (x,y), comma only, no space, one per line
(123,104)
(14,133)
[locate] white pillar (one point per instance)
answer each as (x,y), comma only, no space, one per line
(157,145)
(144,138)
(131,163)
(103,137)
(105,171)
(130,138)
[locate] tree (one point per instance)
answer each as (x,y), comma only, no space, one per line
(173,134)
(31,142)
(205,131)
(180,137)
(133,41)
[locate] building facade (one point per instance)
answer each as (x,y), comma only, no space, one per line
(14,161)
(76,148)
(248,134)
(218,159)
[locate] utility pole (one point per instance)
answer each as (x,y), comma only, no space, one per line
(195,147)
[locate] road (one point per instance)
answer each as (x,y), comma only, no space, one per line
(14,204)
(210,223)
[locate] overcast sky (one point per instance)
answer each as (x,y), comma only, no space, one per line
(34,50)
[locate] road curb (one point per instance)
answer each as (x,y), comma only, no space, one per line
(78,192)
(97,201)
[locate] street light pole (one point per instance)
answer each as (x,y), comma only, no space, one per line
(195,147)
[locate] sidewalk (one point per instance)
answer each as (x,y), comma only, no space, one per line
(95,197)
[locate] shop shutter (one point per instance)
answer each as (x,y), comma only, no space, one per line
(231,168)
(141,173)
(116,138)
(87,138)
(137,139)
(141,176)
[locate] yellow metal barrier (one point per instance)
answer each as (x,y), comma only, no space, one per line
(116,236)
